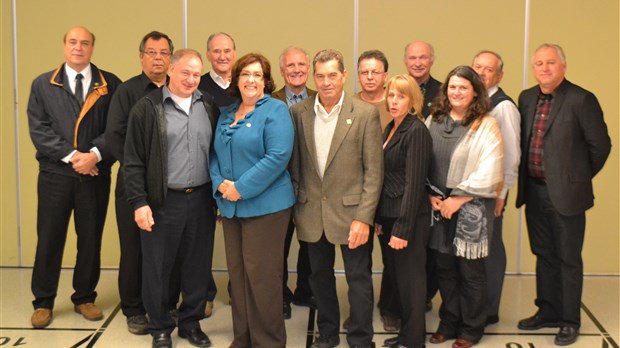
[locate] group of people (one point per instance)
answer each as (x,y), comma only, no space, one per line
(424,165)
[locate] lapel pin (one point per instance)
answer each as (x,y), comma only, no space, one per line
(248,125)
(349,121)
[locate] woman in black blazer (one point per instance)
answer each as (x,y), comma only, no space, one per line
(403,215)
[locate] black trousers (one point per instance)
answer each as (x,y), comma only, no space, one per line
(130,266)
(59,195)
(183,236)
(557,241)
(408,269)
(302,289)
(463,289)
(323,282)
(495,265)
(389,300)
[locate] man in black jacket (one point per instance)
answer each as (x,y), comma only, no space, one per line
(169,136)
(67,113)
(155,51)
(564,144)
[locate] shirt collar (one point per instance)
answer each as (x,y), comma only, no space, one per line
(71,74)
(219,80)
(336,110)
(290,94)
(492,90)
(166,94)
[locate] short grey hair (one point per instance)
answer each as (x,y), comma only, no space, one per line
(556,47)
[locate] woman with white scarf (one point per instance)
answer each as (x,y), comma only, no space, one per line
(464,180)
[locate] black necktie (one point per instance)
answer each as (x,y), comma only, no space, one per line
(79,89)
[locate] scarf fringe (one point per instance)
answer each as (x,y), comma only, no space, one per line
(470,250)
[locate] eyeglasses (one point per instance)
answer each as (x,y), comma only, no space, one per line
(246,75)
(153,54)
(371,73)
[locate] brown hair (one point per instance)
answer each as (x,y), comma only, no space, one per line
(480,105)
(246,60)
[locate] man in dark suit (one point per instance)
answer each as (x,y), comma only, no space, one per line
(419,58)
(294,67)
(67,113)
(337,170)
(564,144)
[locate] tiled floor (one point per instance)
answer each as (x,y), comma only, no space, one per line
(600,317)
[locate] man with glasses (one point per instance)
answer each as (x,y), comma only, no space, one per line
(155,51)
(372,67)
(67,113)
(294,67)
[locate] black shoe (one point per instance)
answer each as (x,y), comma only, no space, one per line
(536,322)
(567,335)
(492,319)
(174,313)
(428,306)
(305,301)
(137,324)
(326,342)
(390,341)
(286,309)
(196,337)
(371,345)
(346,324)
(162,340)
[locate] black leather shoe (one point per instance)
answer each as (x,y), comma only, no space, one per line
(390,341)
(326,342)
(567,335)
(162,340)
(286,309)
(536,322)
(371,345)
(491,319)
(306,301)
(196,338)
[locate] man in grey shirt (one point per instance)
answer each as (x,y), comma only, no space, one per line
(169,135)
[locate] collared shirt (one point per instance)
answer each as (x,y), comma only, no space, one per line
(324,127)
(292,98)
(189,137)
(219,80)
(536,166)
(509,121)
(86,80)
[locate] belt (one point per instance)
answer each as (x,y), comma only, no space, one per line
(186,189)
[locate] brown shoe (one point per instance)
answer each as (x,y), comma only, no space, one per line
(390,324)
(438,338)
(41,318)
(462,343)
(209,309)
(89,311)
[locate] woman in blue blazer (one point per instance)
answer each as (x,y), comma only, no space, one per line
(253,143)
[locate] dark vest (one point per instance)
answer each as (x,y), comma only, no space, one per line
(499,97)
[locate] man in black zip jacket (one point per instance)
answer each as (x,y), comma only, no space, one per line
(67,113)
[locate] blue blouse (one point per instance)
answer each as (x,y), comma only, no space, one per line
(254,154)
